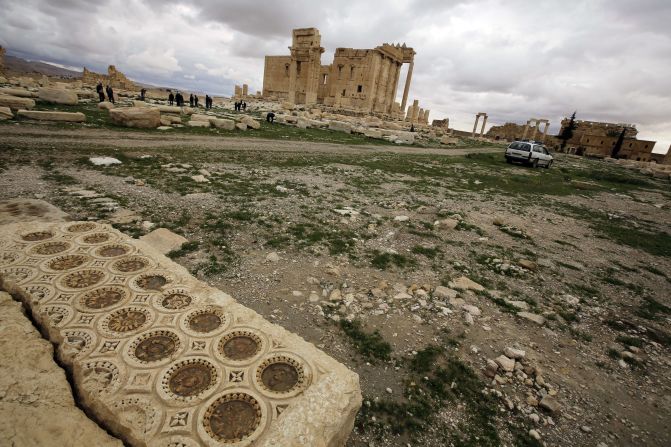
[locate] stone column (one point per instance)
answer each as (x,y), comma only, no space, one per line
(408,116)
(475,126)
(545,131)
(426,116)
(420,116)
(406,89)
(293,79)
(536,126)
(245,90)
(392,95)
(526,129)
(484,122)
(415,111)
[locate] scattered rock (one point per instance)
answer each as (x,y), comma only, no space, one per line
(272,257)
(104,161)
(401,218)
(200,178)
(443,292)
(550,404)
(529,265)
(57,96)
(507,364)
(513,353)
(52,115)
(464,283)
(138,117)
(535,318)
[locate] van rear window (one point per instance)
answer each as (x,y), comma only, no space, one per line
(521,146)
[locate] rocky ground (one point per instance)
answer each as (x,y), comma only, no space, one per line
(481,303)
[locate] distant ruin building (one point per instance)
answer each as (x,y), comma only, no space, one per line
(593,138)
(361,80)
(114,78)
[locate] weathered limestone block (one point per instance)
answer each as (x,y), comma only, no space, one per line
(15,103)
(200,117)
(137,103)
(241,126)
(160,357)
(27,210)
(163,240)
(169,109)
(199,123)
(340,126)
(251,122)
(171,119)
(20,92)
(373,133)
(303,123)
(6,113)
(223,123)
(140,117)
(72,117)
(36,403)
(105,105)
(57,96)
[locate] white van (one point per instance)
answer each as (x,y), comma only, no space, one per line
(529,152)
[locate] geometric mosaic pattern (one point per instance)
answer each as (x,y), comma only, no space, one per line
(159,357)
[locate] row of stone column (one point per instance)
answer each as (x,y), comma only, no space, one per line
(484,123)
(241,92)
(536,128)
(417,115)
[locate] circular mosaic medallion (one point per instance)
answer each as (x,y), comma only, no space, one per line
(18,274)
(232,418)
(112,251)
(240,345)
(189,378)
(96,238)
(50,248)
(130,264)
(76,343)
(83,278)
(155,346)
(103,297)
(281,374)
(9,257)
(67,262)
(100,377)
(126,320)
(81,227)
(37,236)
(204,321)
(58,316)
(176,300)
(151,282)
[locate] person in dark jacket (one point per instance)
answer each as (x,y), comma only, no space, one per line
(101,94)
(195,101)
(270,117)
(171,98)
(143,92)
(244,106)
(179,99)
(110,94)
(191,100)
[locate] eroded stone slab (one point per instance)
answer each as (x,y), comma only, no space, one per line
(25,210)
(36,403)
(164,240)
(162,358)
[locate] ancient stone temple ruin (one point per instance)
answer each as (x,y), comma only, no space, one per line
(114,78)
(363,80)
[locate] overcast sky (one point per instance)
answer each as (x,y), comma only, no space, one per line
(514,59)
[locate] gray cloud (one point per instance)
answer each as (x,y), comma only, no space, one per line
(514,60)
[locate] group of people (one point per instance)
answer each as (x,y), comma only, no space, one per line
(101,92)
(240,106)
(178,100)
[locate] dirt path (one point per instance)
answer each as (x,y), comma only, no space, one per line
(38,135)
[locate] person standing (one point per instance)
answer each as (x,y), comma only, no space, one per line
(143,92)
(191,100)
(195,101)
(101,94)
(171,98)
(110,94)
(244,106)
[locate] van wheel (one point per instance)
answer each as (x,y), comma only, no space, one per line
(547,166)
(534,164)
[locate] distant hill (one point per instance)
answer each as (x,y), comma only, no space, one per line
(22,66)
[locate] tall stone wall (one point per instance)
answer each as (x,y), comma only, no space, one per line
(2,60)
